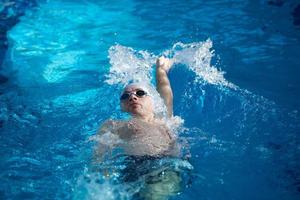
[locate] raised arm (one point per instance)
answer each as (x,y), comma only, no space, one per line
(163,84)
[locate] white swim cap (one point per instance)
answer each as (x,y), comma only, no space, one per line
(141,85)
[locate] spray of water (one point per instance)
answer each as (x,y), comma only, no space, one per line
(129,65)
(197,57)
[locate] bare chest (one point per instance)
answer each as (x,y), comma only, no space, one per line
(137,130)
(141,138)
(134,130)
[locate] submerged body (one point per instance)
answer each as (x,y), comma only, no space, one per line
(151,164)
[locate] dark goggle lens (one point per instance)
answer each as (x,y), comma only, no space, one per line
(138,93)
(125,96)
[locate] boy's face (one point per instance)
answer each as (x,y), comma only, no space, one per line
(136,101)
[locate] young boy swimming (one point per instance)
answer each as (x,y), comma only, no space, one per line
(145,137)
(145,134)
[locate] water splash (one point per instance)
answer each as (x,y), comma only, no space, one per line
(93,184)
(197,57)
(129,65)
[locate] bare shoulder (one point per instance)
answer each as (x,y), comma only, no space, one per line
(163,124)
(173,125)
(110,126)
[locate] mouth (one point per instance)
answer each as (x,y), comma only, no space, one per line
(134,105)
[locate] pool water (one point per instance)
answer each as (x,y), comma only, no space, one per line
(235,83)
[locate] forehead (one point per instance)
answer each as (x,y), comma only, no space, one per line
(132,88)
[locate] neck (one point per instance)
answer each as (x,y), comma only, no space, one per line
(146,118)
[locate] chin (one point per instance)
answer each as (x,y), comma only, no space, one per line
(136,112)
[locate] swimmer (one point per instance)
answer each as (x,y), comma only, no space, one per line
(144,134)
(145,137)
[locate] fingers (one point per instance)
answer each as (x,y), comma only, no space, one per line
(160,61)
(164,63)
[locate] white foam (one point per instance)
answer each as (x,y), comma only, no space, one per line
(93,185)
(197,57)
(129,65)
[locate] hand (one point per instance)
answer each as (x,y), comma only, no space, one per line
(164,63)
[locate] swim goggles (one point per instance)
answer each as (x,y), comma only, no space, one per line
(139,93)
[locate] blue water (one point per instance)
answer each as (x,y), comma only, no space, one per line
(242,125)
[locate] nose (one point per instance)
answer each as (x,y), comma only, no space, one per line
(132,97)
